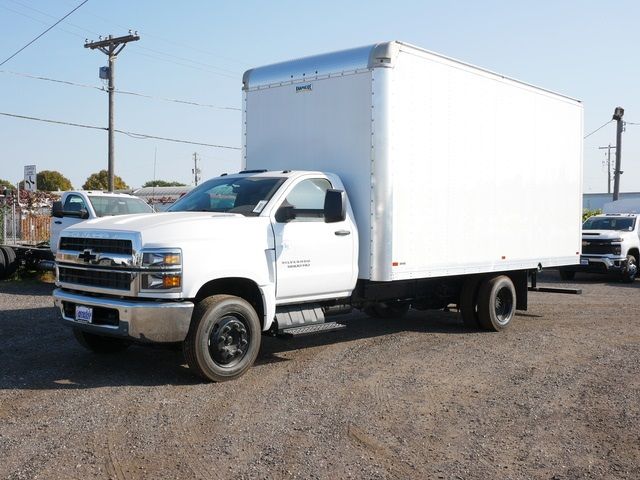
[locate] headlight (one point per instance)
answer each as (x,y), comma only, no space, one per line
(161,269)
(161,281)
(161,259)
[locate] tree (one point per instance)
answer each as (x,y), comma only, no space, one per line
(51,180)
(100,181)
(162,183)
(5,183)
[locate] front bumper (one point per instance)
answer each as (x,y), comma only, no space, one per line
(600,264)
(145,321)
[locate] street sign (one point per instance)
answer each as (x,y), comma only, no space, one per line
(30,178)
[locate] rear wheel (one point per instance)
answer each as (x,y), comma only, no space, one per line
(223,339)
(387,310)
(3,269)
(496,303)
(10,260)
(100,343)
(567,274)
(469,303)
(631,270)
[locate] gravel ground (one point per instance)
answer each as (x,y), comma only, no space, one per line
(555,397)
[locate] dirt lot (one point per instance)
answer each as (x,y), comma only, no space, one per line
(556,396)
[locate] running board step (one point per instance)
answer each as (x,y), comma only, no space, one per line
(311,329)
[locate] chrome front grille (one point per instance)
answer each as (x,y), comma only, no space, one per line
(98,245)
(99,261)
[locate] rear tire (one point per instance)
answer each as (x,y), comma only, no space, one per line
(3,269)
(469,303)
(631,270)
(567,274)
(224,338)
(387,310)
(10,260)
(100,343)
(496,303)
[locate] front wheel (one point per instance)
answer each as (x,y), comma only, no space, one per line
(496,303)
(223,339)
(631,270)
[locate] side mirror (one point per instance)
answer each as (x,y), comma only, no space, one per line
(285,214)
(56,210)
(335,206)
(84,214)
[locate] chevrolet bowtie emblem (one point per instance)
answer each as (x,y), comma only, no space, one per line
(87,256)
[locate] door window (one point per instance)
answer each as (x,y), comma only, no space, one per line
(307,199)
(74,203)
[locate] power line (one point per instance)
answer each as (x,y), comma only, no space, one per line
(141,136)
(32,41)
(600,127)
(123,92)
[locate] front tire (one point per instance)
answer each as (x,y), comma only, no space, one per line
(223,339)
(631,270)
(100,343)
(496,303)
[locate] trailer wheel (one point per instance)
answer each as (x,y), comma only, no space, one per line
(567,274)
(387,310)
(223,339)
(10,261)
(469,303)
(496,303)
(631,270)
(100,343)
(3,270)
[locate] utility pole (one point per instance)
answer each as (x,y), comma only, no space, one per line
(617,116)
(111,46)
(608,147)
(195,170)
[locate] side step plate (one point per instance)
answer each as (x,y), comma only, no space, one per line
(311,329)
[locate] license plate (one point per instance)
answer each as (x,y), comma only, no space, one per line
(584,261)
(84,314)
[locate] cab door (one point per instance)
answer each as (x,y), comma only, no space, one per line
(73,203)
(314,259)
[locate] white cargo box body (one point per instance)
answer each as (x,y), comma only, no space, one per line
(450,169)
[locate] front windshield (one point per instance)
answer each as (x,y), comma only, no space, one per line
(245,195)
(105,206)
(609,223)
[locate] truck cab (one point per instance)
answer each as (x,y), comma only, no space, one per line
(610,244)
(80,205)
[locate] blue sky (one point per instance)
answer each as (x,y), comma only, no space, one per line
(198,50)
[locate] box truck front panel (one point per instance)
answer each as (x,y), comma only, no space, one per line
(322,124)
(486,171)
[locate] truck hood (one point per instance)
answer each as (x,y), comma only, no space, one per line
(164,229)
(604,234)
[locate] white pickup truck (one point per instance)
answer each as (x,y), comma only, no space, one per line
(73,207)
(610,242)
(380,178)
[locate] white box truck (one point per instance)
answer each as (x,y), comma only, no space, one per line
(380,178)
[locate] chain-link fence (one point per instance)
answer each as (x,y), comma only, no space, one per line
(18,225)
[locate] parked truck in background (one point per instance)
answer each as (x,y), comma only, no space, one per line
(610,242)
(380,178)
(72,208)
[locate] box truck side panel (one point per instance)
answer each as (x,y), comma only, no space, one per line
(322,124)
(486,171)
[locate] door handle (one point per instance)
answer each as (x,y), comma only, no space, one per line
(58,222)
(342,233)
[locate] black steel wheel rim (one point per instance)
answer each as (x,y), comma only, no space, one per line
(503,305)
(229,340)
